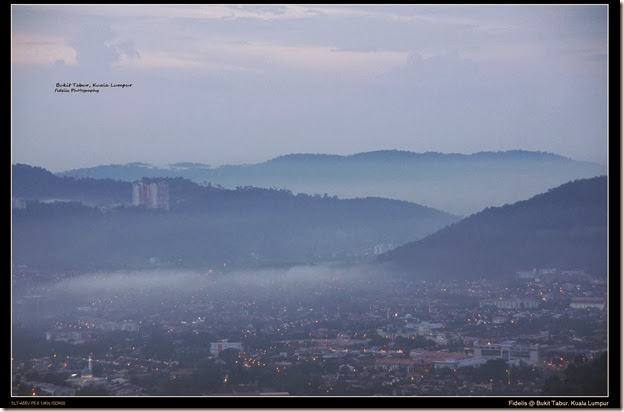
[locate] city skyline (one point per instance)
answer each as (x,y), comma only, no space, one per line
(243,84)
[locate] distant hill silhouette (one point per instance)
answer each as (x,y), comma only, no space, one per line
(61,227)
(31,182)
(457,183)
(564,228)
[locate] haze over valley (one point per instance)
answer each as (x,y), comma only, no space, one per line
(284,202)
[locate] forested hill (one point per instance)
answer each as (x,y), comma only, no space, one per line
(204,226)
(564,228)
(31,182)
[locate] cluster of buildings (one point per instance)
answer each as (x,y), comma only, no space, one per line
(508,350)
(407,337)
(583,302)
(151,195)
(219,346)
(511,303)
(83,331)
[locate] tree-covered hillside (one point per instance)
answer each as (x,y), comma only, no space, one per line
(204,227)
(565,228)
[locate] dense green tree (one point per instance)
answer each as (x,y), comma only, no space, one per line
(181,386)
(158,346)
(583,377)
(230,356)
(494,370)
(92,390)
(54,378)
(208,375)
(24,389)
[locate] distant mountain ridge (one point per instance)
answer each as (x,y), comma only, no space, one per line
(564,228)
(397,155)
(377,155)
(457,183)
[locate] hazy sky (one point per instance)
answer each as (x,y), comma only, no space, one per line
(242,84)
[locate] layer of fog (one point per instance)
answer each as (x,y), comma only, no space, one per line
(180,281)
(150,291)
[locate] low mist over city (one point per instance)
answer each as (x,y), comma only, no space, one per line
(289,202)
